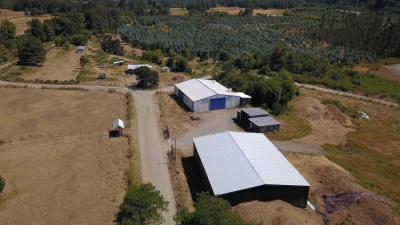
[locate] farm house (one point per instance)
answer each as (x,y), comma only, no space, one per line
(242,167)
(258,120)
(133,67)
(206,95)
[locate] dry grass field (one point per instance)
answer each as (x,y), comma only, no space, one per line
(19,19)
(61,167)
(231,11)
(60,65)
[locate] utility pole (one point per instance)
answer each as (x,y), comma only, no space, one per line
(175,149)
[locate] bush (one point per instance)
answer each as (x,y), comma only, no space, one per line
(2,183)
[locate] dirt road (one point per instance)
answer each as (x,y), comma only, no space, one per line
(153,149)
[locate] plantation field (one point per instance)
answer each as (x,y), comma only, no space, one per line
(61,167)
(19,19)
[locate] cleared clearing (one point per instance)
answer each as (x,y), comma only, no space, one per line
(76,177)
(19,19)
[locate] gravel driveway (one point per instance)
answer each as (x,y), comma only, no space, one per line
(223,120)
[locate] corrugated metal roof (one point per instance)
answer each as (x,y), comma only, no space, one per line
(243,95)
(197,89)
(255,112)
(235,161)
(194,90)
(264,121)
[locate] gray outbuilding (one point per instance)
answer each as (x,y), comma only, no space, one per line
(242,167)
(258,120)
(205,95)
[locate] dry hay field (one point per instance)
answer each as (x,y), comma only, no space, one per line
(19,19)
(231,11)
(76,177)
(60,65)
(388,72)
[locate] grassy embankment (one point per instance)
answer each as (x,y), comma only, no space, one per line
(371,153)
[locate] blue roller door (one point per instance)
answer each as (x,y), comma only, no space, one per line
(217,103)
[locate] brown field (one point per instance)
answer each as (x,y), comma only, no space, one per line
(61,167)
(231,11)
(19,19)
(60,65)
(384,72)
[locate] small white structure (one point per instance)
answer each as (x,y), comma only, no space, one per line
(206,95)
(118,63)
(118,125)
(165,69)
(80,49)
(133,67)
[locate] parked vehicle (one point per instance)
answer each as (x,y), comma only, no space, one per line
(102,76)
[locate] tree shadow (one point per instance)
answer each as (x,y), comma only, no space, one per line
(193,176)
(180,103)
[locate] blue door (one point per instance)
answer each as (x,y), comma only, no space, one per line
(217,103)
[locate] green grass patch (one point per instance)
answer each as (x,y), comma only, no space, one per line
(371,170)
(129,102)
(85,75)
(100,58)
(2,142)
(292,127)
(133,171)
(344,109)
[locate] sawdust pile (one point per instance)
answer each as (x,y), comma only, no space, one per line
(329,125)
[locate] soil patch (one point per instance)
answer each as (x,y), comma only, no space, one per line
(329,125)
(77,177)
(388,72)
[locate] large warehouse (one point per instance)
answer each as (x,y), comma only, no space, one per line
(206,95)
(242,167)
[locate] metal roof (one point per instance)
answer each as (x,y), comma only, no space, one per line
(197,89)
(243,95)
(264,121)
(236,161)
(255,112)
(118,123)
(135,66)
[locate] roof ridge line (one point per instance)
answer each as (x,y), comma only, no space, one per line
(205,86)
(258,175)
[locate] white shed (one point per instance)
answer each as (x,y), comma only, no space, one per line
(206,95)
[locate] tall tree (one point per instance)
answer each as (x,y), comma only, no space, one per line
(36,28)
(4,53)
(142,205)
(31,50)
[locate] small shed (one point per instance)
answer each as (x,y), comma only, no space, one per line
(118,63)
(244,99)
(165,69)
(264,124)
(80,49)
(258,120)
(118,125)
(133,67)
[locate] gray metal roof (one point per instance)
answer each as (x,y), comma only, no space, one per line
(264,121)
(197,89)
(255,111)
(236,161)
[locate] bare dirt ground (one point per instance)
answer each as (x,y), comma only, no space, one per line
(389,72)
(60,65)
(75,178)
(329,179)
(19,19)
(329,125)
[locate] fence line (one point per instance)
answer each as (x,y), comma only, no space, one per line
(59,134)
